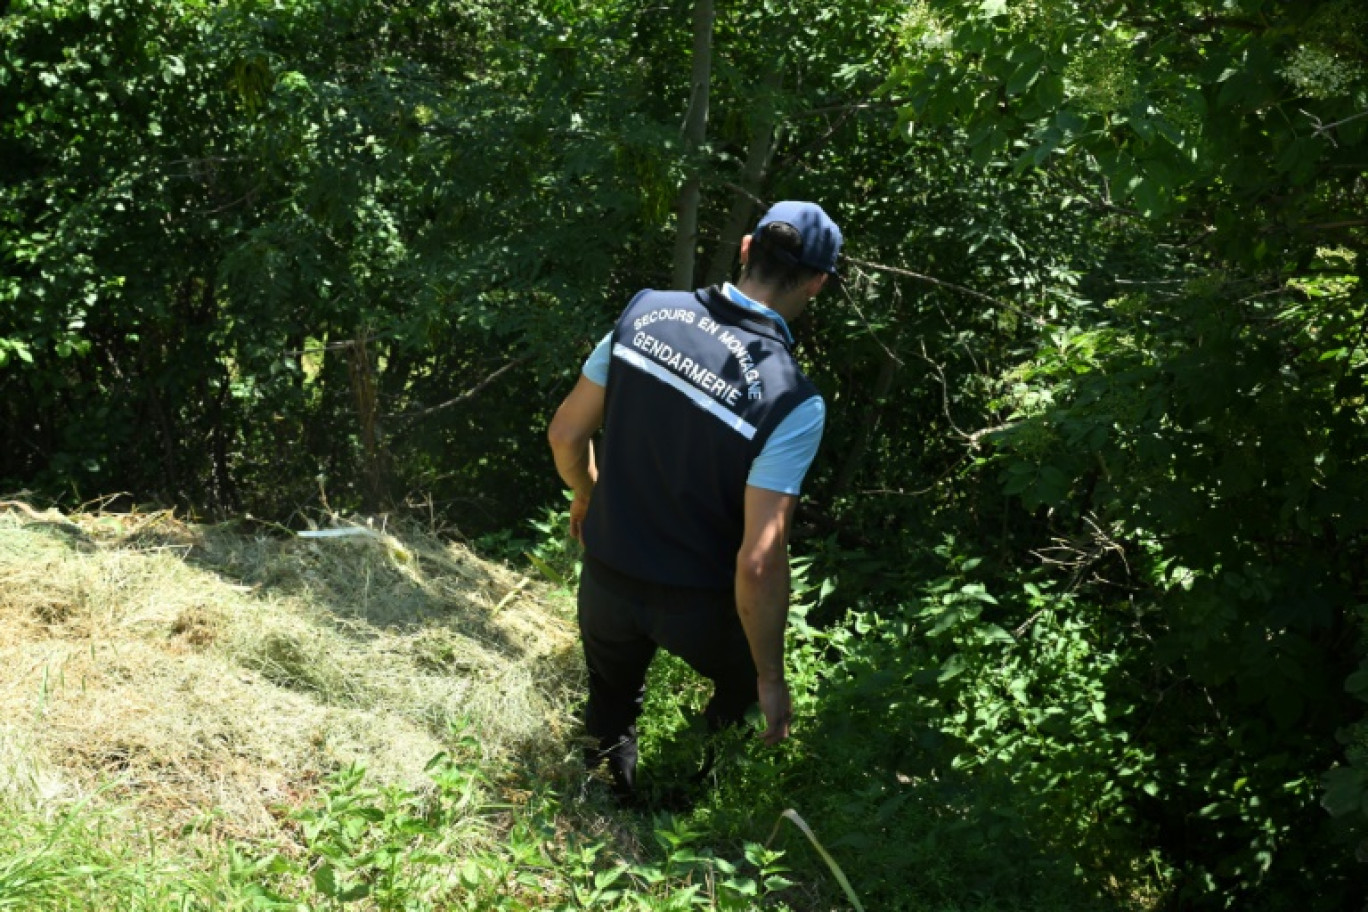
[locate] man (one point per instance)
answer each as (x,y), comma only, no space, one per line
(708,429)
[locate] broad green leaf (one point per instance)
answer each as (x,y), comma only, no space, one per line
(1357,683)
(325,880)
(1346,791)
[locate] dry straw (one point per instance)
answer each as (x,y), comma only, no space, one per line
(215,676)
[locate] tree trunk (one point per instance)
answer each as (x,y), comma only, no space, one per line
(695,132)
(222,428)
(763,142)
(375,497)
(224,491)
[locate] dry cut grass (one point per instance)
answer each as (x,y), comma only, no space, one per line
(214,677)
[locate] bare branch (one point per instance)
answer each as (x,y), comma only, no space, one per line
(1269,292)
(1080,555)
(941,283)
(978,435)
(1319,128)
(844,108)
(245,198)
(464,397)
(945,394)
(898,492)
(319,349)
(863,319)
(1020,631)
(341,345)
(209,160)
(737,188)
(1347,223)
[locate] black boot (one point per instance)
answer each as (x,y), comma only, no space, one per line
(621,756)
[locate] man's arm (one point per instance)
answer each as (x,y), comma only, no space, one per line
(762,596)
(571,434)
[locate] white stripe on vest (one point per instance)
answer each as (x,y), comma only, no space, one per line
(699,398)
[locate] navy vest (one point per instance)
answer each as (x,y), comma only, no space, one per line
(695,387)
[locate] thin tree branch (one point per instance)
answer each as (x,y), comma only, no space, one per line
(863,319)
(245,198)
(342,345)
(1263,294)
(895,492)
(945,395)
(318,350)
(941,283)
(844,108)
(1331,226)
(209,160)
(1020,631)
(464,397)
(970,437)
(737,188)
(1319,128)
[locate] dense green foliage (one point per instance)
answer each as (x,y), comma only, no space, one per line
(1192,435)
(1086,543)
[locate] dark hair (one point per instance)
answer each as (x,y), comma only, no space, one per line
(774,250)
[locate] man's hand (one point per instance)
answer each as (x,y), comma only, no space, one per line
(578,508)
(777,706)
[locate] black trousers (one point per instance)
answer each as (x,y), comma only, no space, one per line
(624,620)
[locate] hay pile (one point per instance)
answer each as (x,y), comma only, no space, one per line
(213,676)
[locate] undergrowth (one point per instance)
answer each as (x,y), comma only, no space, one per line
(871,805)
(364,846)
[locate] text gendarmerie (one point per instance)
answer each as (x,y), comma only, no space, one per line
(685,366)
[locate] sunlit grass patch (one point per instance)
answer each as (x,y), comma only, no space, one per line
(215,676)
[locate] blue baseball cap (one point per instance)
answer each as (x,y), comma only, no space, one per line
(821,237)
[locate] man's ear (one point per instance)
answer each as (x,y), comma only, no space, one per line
(745,248)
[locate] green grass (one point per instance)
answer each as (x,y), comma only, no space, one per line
(369,847)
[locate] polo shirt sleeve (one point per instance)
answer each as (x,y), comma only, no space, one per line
(788,453)
(596,365)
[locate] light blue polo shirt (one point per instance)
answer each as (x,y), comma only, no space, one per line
(787,455)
